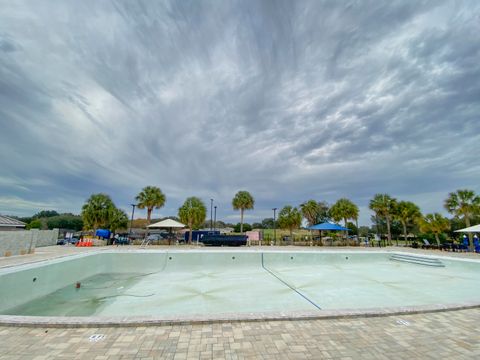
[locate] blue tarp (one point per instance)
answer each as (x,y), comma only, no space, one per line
(327,227)
(103,233)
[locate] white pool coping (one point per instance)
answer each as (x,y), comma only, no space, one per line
(61,258)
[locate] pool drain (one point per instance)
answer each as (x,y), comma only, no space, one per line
(403,322)
(96,337)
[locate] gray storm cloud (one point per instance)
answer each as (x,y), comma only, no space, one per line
(290,100)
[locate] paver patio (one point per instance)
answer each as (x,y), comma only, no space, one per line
(446,335)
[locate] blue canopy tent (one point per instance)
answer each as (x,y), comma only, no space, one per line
(327,226)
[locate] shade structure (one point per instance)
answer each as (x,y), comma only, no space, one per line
(471,229)
(327,226)
(167,224)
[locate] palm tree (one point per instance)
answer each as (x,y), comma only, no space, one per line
(242,201)
(289,218)
(150,197)
(193,213)
(384,206)
(310,210)
(118,219)
(96,211)
(407,213)
(463,204)
(323,212)
(344,209)
(434,223)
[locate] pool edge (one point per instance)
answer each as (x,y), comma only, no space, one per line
(142,321)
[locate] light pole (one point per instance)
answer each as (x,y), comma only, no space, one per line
(211,214)
(215,218)
(274,226)
(131,221)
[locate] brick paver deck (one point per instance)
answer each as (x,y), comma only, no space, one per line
(443,335)
(447,335)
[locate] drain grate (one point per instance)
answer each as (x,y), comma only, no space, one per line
(403,322)
(96,337)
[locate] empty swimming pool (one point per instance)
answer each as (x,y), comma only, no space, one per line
(191,283)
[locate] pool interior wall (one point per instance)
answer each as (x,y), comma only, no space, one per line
(165,283)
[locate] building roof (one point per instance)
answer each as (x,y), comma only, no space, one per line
(8,221)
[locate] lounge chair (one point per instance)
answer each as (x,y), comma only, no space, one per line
(448,246)
(427,245)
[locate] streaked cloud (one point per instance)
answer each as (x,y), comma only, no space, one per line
(291,100)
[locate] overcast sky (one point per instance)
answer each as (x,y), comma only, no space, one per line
(290,100)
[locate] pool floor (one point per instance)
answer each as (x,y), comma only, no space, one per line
(274,288)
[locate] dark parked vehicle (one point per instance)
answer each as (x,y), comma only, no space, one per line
(157,237)
(73,240)
(121,240)
(197,235)
(224,240)
(65,241)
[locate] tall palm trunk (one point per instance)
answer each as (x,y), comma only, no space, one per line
(96,226)
(405,232)
(149,214)
(389,235)
(190,232)
(346,231)
(241,221)
(358,230)
(437,239)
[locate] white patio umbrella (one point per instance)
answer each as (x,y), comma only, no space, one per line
(471,229)
(167,224)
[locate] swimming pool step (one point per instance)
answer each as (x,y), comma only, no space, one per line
(417,260)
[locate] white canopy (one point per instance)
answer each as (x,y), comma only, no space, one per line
(471,229)
(167,224)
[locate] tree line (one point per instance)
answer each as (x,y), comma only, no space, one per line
(99,211)
(463,204)
(50,219)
